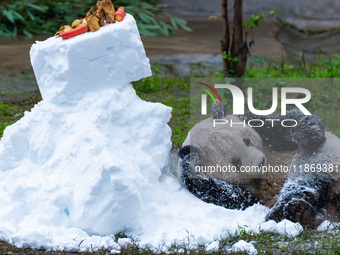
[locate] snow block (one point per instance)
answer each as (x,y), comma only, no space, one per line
(110,58)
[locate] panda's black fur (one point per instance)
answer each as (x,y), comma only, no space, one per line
(212,190)
(280,138)
(299,198)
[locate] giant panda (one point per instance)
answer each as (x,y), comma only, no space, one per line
(307,197)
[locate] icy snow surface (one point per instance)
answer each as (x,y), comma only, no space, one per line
(91,159)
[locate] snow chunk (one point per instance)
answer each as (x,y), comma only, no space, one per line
(327,225)
(124,241)
(115,249)
(244,246)
(213,246)
(285,227)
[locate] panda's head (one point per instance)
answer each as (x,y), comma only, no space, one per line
(233,146)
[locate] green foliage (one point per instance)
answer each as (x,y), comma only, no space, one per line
(14,14)
(31,17)
(36,17)
(229,58)
(256,18)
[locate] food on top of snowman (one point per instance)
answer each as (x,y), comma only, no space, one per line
(105,14)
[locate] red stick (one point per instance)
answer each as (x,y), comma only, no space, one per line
(74,32)
(120,14)
(121,9)
(119,17)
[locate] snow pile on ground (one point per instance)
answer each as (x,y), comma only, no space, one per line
(212,246)
(91,159)
(285,227)
(328,226)
(243,246)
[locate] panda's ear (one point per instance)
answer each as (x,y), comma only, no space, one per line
(218,111)
(184,151)
(189,149)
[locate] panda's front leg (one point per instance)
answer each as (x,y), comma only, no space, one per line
(209,189)
(302,200)
(288,132)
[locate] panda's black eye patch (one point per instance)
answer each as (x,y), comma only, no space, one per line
(237,162)
(248,142)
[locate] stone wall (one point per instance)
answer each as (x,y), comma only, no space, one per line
(306,14)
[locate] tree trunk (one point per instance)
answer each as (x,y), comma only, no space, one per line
(225,43)
(239,47)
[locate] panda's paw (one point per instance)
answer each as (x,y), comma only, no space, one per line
(299,210)
(275,213)
(309,135)
(191,156)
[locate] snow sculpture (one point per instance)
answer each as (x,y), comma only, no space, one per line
(81,156)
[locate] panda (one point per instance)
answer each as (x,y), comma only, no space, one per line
(213,154)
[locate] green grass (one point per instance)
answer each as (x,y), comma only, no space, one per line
(12,112)
(323,68)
